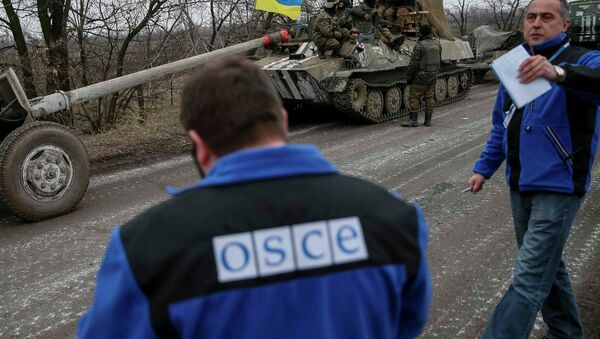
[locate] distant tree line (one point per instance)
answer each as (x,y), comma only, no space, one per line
(64,44)
(466,15)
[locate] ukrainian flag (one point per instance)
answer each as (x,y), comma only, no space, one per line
(289,8)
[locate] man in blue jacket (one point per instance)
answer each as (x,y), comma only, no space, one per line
(272,243)
(549,147)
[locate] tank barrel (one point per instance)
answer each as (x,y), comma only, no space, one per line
(62,100)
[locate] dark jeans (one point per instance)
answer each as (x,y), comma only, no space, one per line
(540,281)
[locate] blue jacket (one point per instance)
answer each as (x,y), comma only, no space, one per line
(550,143)
(273,243)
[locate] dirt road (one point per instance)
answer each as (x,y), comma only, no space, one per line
(47,269)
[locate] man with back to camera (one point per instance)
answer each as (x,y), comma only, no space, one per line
(272,243)
(549,146)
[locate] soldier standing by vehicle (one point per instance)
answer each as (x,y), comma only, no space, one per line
(422,76)
(326,32)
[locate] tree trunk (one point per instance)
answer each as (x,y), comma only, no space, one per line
(21,46)
(53,16)
(154,7)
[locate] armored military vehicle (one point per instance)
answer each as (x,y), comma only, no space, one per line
(489,43)
(370,84)
(585,24)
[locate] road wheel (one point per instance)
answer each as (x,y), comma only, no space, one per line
(393,100)
(440,89)
(44,170)
(358,90)
(374,103)
(452,86)
(464,80)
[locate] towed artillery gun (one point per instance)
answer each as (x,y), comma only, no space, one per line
(44,168)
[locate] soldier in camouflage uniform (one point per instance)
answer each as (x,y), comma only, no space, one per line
(366,19)
(422,75)
(327,34)
(343,13)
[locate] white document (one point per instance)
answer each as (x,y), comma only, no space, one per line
(507,69)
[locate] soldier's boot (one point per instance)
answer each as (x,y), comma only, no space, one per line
(412,120)
(427,119)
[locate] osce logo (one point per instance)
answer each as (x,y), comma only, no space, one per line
(288,248)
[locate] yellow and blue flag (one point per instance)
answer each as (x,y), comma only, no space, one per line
(289,8)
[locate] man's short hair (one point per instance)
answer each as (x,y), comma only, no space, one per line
(232,104)
(564,8)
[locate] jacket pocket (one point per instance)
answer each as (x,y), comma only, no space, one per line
(559,147)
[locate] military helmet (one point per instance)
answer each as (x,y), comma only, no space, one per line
(331,3)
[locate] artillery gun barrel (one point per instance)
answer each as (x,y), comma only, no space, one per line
(59,101)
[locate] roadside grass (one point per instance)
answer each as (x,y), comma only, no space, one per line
(161,134)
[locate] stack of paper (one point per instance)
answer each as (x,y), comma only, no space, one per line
(507,69)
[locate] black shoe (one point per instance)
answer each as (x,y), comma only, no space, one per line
(427,123)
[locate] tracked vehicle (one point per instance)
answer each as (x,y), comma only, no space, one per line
(370,84)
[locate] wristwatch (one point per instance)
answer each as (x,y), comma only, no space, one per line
(560,74)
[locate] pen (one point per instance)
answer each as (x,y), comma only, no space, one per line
(468,189)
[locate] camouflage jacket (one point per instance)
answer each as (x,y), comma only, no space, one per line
(365,27)
(414,73)
(344,18)
(325,27)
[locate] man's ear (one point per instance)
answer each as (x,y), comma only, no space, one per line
(204,155)
(566,25)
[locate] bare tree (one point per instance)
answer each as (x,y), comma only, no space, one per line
(14,24)
(508,14)
(154,7)
(460,12)
(220,11)
(53,15)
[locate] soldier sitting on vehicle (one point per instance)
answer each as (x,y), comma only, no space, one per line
(343,13)
(327,34)
(367,21)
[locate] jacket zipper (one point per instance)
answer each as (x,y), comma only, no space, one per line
(561,148)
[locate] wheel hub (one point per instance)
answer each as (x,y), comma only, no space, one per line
(47,171)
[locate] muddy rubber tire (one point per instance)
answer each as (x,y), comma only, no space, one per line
(44,171)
